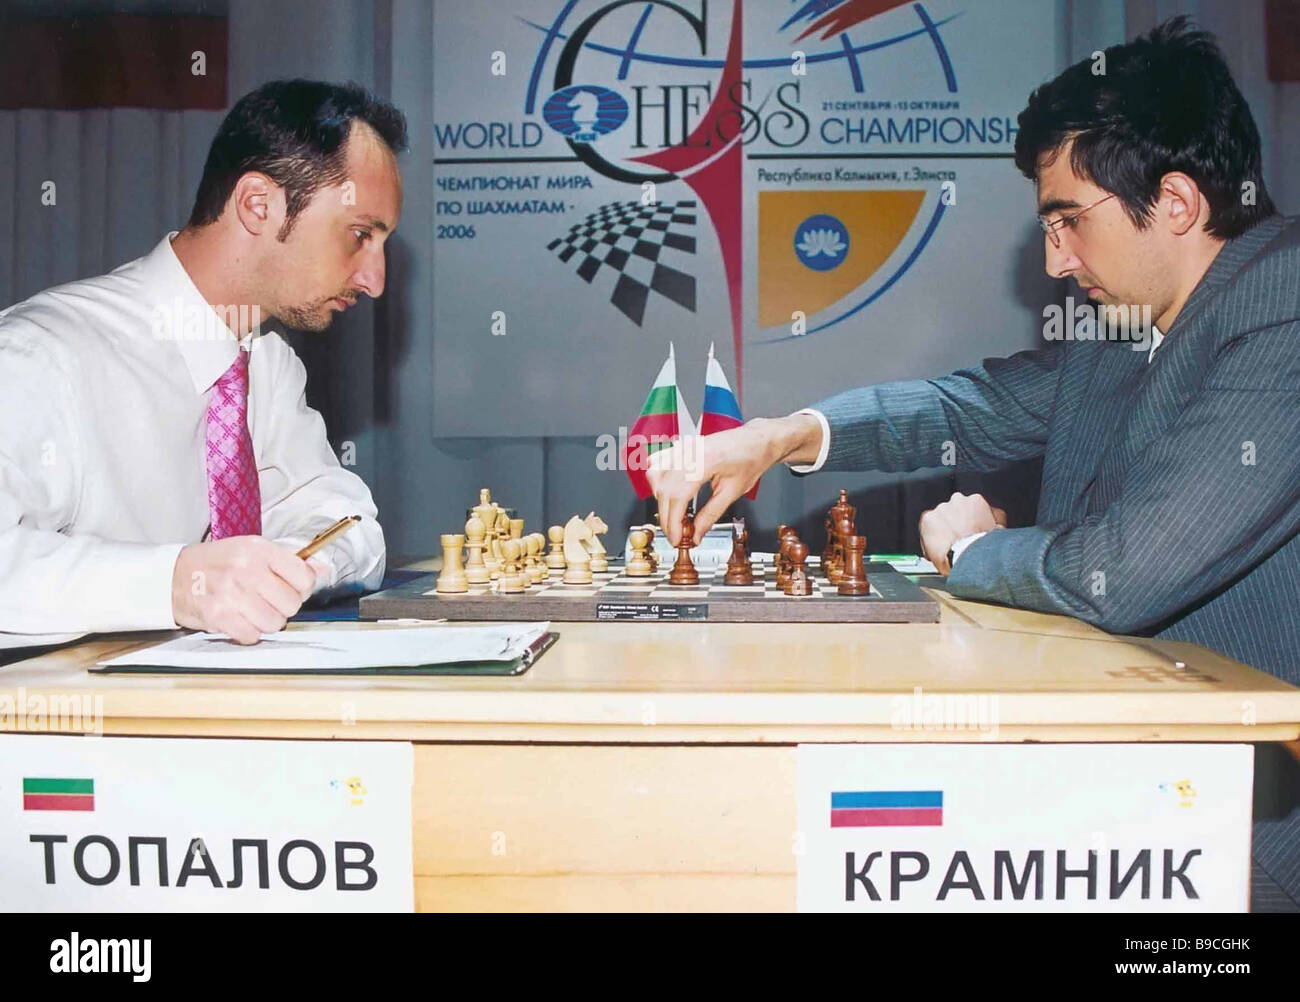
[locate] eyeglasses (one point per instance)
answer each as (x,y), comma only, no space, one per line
(1050,228)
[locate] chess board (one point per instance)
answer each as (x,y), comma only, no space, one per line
(613,596)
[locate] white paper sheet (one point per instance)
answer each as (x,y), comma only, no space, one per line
(403,647)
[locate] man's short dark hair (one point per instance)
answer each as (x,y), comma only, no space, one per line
(1163,102)
(294,132)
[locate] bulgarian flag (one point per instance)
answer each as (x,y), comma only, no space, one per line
(721,410)
(664,419)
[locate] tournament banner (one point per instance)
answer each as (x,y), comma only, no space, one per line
(1045,828)
(196,824)
(823,188)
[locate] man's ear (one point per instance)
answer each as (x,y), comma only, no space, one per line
(258,203)
(1181,202)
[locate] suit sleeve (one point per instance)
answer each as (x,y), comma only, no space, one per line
(979,418)
(1202,504)
(305,490)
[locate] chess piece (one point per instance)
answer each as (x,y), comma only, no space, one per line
(512,581)
(533,565)
(798,583)
(844,531)
(476,571)
(684,572)
(540,571)
(842,509)
(833,555)
(486,513)
(599,562)
(555,559)
(452,580)
(739,571)
(638,565)
(576,558)
(502,533)
(854,581)
(785,536)
(650,552)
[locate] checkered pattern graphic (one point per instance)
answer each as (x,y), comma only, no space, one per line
(234,498)
(635,242)
(615,586)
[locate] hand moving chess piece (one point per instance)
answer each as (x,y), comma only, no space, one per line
(476,571)
(638,564)
(684,572)
(576,558)
(555,559)
(798,583)
(452,580)
(854,581)
(739,572)
(599,562)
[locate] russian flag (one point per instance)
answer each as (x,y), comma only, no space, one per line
(887,808)
(721,410)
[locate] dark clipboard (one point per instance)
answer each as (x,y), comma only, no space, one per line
(516,667)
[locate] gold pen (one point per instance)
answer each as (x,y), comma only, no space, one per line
(337,529)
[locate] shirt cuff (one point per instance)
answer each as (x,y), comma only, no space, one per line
(959,547)
(826,443)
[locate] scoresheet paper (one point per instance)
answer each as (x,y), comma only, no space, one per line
(400,647)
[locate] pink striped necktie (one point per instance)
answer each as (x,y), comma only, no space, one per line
(234,500)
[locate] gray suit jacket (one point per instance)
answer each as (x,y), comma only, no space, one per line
(1170,502)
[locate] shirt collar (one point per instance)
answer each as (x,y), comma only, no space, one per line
(1156,338)
(185,318)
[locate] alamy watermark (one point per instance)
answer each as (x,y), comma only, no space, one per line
(181,321)
(82,713)
(643,452)
(946,711)
(1098,322)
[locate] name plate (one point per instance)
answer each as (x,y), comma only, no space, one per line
(181,824)
(972,828)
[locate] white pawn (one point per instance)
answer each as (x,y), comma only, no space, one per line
(638,565)
(555,559)
(476,571)
(511,582)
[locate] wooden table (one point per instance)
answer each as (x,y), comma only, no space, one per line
(652,766)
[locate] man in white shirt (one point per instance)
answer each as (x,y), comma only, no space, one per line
(159,465)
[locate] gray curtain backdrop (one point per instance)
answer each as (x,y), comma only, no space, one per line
(125,177)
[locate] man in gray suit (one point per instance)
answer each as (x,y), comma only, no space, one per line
(1170,501)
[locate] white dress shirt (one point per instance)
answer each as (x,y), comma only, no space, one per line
(960,545)
(104,388)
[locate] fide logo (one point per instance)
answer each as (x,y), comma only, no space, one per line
(821,242)
(584,112)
